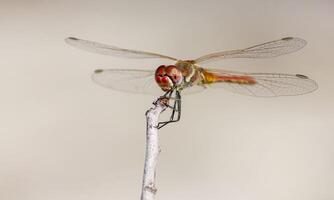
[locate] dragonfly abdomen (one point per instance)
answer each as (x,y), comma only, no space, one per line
(209,78)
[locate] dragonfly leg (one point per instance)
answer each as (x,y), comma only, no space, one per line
(178,97)
(175,108)
(165,98)
(167,95)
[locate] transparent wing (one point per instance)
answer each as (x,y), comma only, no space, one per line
(267,84)
(193,89)
(265,50)
(128,80)
(112,50)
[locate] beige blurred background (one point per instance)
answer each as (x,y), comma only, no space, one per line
(62,137)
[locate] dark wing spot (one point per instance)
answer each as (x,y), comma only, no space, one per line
(72,38)
(98,71)
(301,76)
(287,38)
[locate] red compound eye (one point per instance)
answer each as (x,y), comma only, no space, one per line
(161,71)
(164,79)
(174,73)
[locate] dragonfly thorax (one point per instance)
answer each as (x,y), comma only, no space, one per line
(168,77)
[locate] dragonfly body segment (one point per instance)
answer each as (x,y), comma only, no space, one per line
(179,76)
(210,78)
(185,74)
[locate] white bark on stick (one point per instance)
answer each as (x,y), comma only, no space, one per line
(152,151)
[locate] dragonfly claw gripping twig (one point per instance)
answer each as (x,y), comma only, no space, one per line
(176,108)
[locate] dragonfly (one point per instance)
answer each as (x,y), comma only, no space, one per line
(187,76)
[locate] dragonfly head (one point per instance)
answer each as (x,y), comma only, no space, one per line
(168,77)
